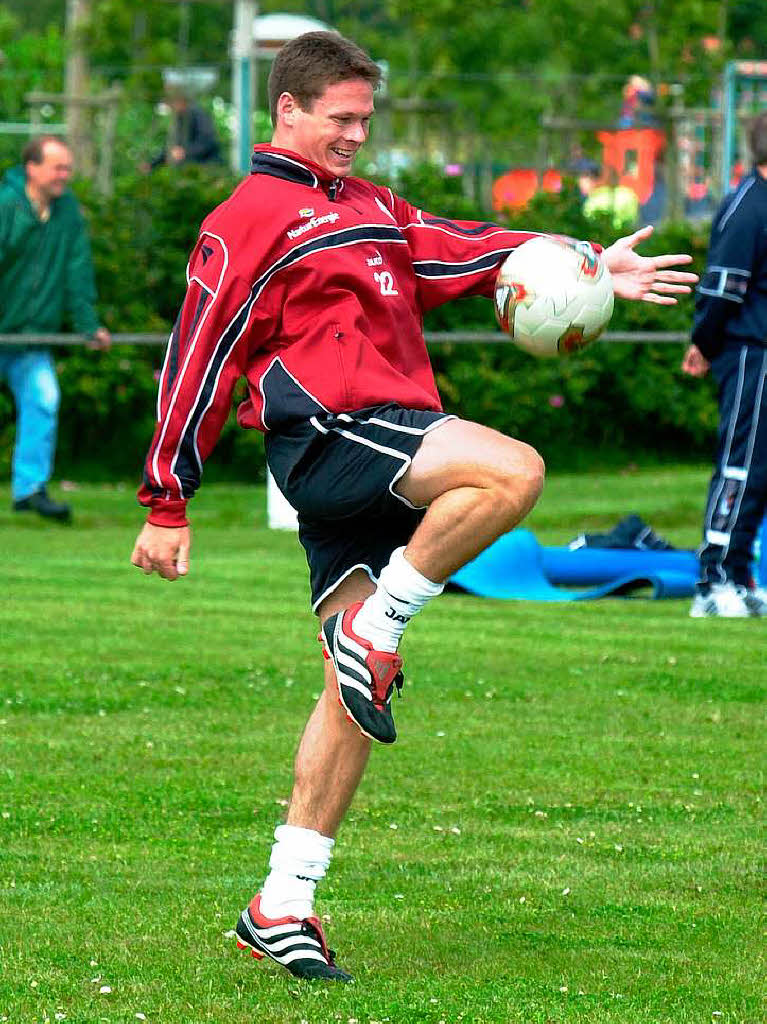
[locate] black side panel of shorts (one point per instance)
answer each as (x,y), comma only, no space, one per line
(365,542)
(337,471)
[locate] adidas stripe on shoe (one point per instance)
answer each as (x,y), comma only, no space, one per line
(366,678)
(298,946)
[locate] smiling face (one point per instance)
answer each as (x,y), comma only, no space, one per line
(332,130)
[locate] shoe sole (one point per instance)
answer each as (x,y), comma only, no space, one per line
(353,720)
(66,518)
(254,952)
(719,615)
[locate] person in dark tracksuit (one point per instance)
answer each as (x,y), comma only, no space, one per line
(729,336)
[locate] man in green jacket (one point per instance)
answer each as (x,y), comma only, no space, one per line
(46,276)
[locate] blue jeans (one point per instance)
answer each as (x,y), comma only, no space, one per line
(31,376)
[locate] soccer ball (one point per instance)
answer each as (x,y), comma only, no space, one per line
(553,296)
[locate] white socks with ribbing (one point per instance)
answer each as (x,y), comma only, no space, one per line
(300,858)
(401,592)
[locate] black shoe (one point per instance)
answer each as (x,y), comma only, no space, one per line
(365,678)
(630,532)
(299,946)
(41,503)
(633,532)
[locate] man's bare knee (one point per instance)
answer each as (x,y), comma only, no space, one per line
(464,454)
(519,486)
(534,474)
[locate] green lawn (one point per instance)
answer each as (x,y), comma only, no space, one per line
(567,830)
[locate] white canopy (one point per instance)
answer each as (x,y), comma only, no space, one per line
(271,31)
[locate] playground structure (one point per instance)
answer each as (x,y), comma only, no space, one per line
(684,166)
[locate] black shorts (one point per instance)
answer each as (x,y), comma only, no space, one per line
(338,471)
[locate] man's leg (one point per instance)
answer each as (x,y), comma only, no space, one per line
(737,488)
(477,483)
(32,378)
(332,755)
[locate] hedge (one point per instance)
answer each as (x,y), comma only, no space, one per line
(611,403)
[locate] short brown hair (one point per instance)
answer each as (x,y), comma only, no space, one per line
(33,153)
(757,138)
(308,64)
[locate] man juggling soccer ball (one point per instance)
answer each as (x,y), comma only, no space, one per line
(312,284)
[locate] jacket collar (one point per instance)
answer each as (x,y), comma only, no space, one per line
(282,163)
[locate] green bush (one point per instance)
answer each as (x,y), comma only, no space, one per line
(612,402)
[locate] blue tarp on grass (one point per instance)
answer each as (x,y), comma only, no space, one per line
(517,567)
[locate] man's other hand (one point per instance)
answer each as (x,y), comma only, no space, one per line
(164,550)
(695,363)
(102,339)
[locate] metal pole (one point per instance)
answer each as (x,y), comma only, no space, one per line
(432,338)
(676,168)
(242,82)
(729,126)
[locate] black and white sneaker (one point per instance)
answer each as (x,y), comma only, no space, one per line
(756,600)
(723,601)
(298,946)
(366,678)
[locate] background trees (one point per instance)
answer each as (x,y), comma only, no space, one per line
(485,73)
(496,67)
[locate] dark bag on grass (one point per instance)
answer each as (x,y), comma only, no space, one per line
(629,532)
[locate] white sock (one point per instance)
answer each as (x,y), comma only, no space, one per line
(300,858)
(401,592)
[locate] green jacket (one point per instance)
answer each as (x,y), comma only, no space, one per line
(46,270)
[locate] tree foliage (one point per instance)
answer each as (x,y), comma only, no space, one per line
(497,67)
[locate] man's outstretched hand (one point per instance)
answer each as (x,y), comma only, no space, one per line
(646,277)
(164,550)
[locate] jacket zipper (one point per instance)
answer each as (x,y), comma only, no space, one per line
(337,336)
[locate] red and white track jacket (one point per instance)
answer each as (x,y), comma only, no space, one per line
(313,289)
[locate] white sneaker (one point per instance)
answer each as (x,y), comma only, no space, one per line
(725,601)
(756,600)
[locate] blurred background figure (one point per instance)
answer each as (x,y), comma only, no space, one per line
(608,199)
(46,277)
(638,97)
(192,136)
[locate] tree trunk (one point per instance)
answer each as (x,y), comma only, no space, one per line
(77,86)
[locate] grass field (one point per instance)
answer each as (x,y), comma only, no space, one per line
(568,829)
